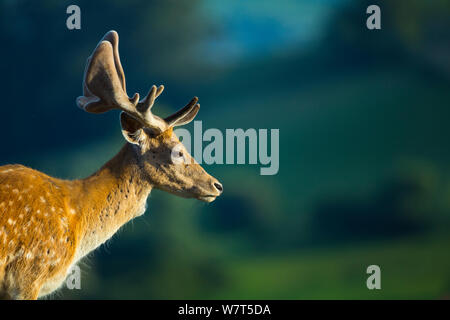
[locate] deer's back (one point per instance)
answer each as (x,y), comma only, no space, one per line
(37,227)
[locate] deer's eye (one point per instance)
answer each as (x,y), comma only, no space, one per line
(177,154)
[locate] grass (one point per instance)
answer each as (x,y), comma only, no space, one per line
(416,268)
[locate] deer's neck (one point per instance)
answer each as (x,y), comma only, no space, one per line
(110,198)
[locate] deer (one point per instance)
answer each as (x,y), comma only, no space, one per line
(47,225)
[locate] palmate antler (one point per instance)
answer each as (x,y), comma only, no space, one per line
(104,89)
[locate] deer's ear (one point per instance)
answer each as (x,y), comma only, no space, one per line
(131,129)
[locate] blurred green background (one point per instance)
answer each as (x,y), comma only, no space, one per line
(364,154)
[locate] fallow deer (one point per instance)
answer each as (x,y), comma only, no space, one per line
(47,224)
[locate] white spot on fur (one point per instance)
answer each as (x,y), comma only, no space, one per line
(72,211)
(64,221)
(15,191)
(11,222)
(42,199)
(20,252)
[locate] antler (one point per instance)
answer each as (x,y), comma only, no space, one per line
(104,89)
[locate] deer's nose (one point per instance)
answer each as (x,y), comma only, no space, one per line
(218,186)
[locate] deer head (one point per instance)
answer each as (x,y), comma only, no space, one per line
(165,162)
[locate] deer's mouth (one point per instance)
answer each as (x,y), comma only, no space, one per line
(208,198)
